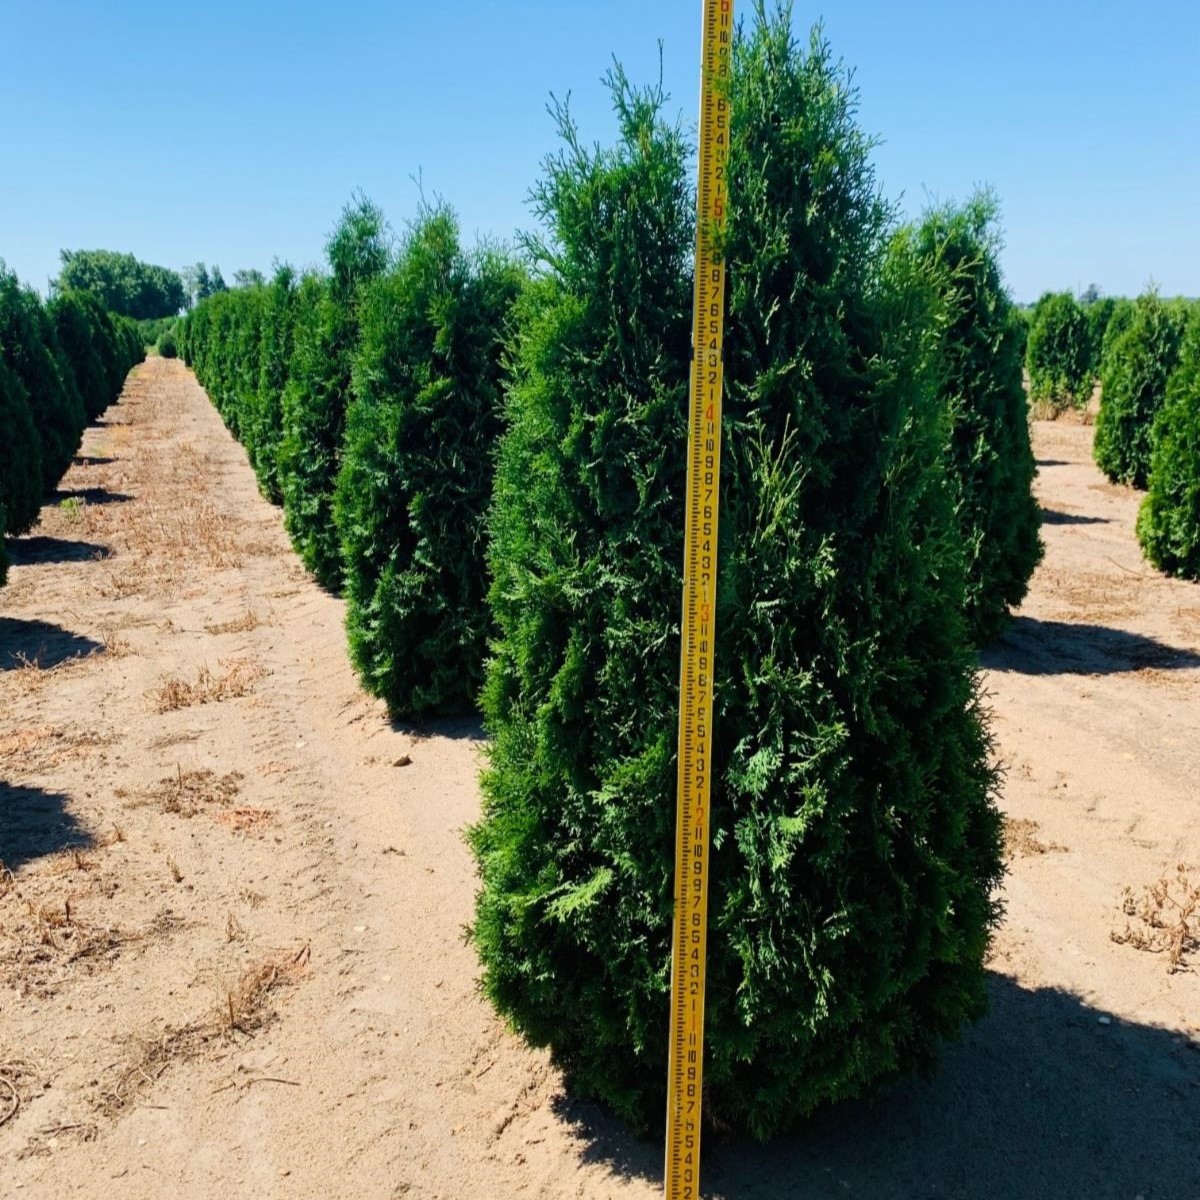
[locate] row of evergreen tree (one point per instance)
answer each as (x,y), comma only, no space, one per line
(486,454)
(61,365)
(1148,427)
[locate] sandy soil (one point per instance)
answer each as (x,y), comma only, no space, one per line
(231,961)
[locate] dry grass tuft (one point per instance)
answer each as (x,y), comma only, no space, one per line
(188,792)
(244,624)
(242,820)
(1168,916)
(237,678)
(17,1077)
(1021,840)
(243,1009)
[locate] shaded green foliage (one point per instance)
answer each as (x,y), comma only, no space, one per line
(981,364)
(855,846)
(318,387)
(167,346)
(1169,522)
(30,347)
(1133,388)
(20,455)
(416,472)
(1058,353)
(122,283)
(82,342)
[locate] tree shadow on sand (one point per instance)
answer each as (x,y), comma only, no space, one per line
(1033,647)
(38,643)
(1051,516)
(34,823)
(1038,1100)
(26,551)
(465,728)
(1052,462)
(94,495)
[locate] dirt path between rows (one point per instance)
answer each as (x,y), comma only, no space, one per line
(231,953)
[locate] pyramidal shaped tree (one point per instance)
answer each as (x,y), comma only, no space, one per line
(855,844)
(1169,522)
(1133,389)
(991,457)
(318,387)
(417,466)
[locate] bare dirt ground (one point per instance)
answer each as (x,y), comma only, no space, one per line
(231,954)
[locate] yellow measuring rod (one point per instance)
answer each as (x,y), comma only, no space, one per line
(685,1071)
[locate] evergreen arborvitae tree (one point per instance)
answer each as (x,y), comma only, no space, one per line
(990,453)
(416,474)
(30,347)
(855,845)
(80,342)
(314,402)
(1169,522)
(275,352)
(1133,388)
(1058,354)
(20,455)
(3,550)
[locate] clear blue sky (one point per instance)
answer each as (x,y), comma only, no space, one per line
(235,132)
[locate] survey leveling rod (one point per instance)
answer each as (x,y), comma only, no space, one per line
(685,1071)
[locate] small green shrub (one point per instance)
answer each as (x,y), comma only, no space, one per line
(1133,389)
(1058,355)
(990,453)
(855,846)
(168,346)
(1169,522)
(416,472)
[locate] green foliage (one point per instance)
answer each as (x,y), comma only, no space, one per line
(1119,321)
(1169,522)
(1058,354)
(274,355)
(990,453)
(122,283)
(855,846)
(1099,311)
(82,343)
(416,473)
(167,345)
(20,455)
(317,392)
(3,550)
(151,331)
(1133,389)
(30,347)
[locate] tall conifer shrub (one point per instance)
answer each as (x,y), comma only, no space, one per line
(1058,353)
(1133,389)
(20,455)
(416,474)
(981,381)
(317,392)
(855,844)
(1169,521)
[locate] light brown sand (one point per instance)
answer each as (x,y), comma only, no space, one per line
(231,955)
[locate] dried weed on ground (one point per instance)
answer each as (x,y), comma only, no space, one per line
(1165,919)
(1021,840)
(188,792)
(243,1009)
(237,678)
